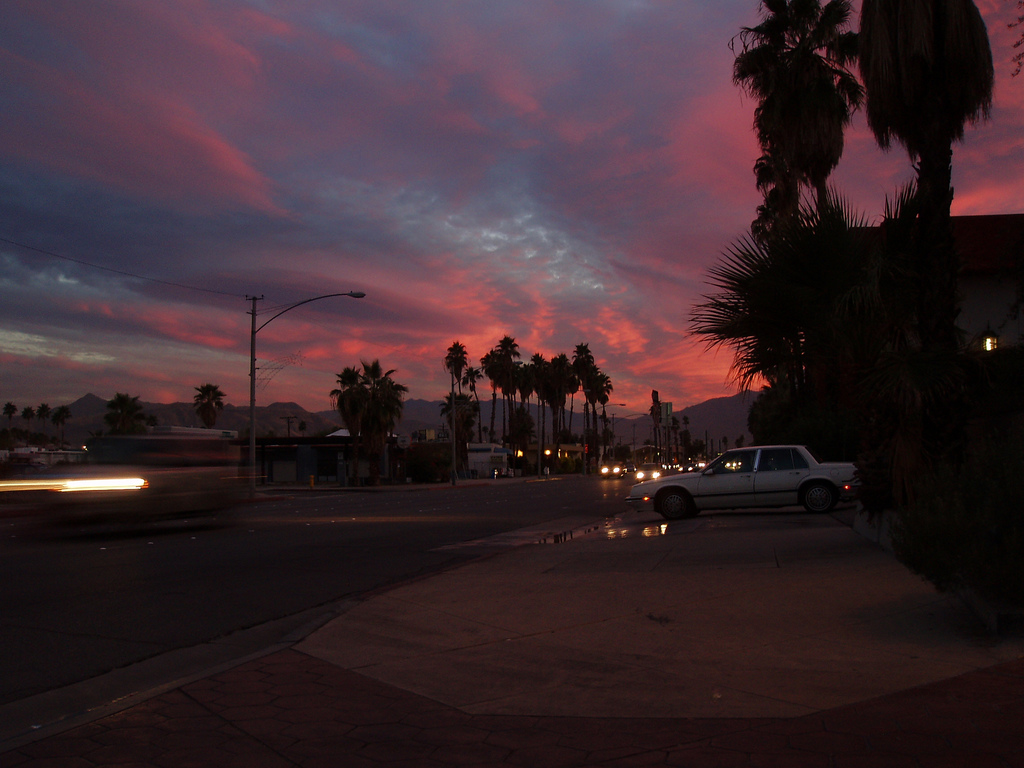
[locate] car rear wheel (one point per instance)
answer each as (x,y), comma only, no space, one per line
(673,504)
(820,497)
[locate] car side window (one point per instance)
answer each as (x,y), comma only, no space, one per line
(799,462)
(775,459)
(741,461)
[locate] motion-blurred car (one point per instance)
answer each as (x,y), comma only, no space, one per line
(759,476)
(168,472)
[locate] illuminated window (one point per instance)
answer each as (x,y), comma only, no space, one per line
(989,341)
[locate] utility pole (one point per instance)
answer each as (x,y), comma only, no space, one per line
(252,395)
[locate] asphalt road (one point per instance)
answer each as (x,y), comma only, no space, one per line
(78,602)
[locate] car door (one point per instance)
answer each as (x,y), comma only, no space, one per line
(728,482)
(777,479)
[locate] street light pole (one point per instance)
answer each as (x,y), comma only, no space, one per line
(254,329)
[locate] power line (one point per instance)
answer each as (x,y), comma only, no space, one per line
(116,271)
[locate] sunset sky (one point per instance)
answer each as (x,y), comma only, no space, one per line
(561,171)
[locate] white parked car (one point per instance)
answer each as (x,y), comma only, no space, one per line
(759,476)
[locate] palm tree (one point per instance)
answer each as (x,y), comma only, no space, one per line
(900,388)
(585,368)
(124,415)
(600,392)
(795,63)
(208,401)
(349,399)
(562,382)
(542,384)
(508,352)
(59,417)
(470,377)
(455,362)
(927,71)
(43,412)
(776,300)
(10,411)
(492,369)
(383,409)
(28,413)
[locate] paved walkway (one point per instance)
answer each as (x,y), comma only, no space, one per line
(734,639)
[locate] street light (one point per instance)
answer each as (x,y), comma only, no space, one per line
(252,369)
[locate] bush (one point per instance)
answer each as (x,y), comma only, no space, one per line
(966,528)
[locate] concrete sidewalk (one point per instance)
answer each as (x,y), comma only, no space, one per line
(732,639)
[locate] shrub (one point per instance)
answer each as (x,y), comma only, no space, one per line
(965,529)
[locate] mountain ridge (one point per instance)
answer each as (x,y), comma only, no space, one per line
(715,418)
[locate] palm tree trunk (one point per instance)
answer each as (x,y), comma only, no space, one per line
(494,409)
(480,420)
(938,265)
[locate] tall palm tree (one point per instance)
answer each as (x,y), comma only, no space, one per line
(208,402)
(560,384)
(349,399)
(10,411)
(60,417)
(470,377)
(600,392)
(585,368)
(508,353)
(383,409)
(28,413)
(43,412)
(124,415)
(542,386)
(455,362)
(795,63)
(492,368)
(927,71)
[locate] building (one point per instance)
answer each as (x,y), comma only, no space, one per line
(992,253)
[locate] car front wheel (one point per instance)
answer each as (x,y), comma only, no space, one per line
(673,504)
(820,497)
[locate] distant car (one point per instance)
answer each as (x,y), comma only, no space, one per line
(759,476)
(611,469)
(648,472)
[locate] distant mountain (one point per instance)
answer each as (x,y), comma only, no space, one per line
(719,417)
(87,418)
(716,418)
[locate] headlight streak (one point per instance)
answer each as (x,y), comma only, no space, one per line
(65,485)
(103,484)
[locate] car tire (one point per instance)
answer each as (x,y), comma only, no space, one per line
(819,497)
(674,504)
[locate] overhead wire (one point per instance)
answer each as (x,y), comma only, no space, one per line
(122,272)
